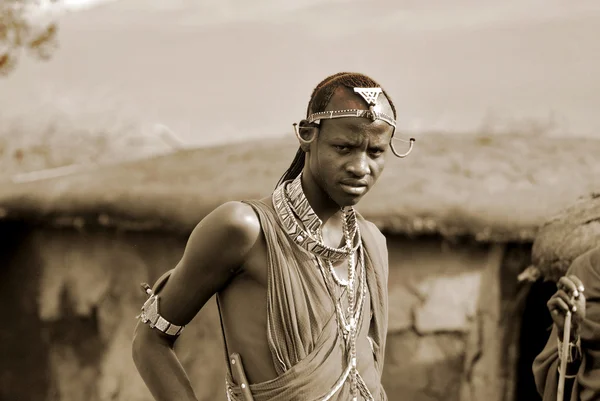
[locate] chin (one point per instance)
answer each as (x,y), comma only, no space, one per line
(347,201)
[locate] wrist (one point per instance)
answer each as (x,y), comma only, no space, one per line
(572,354)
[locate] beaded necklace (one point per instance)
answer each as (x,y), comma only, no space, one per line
(304,227)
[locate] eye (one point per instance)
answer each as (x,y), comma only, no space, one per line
(341,148)
(376,152)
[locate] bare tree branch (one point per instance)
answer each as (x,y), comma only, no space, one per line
(19,32)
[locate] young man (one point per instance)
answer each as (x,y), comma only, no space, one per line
(578,292)
(300,277)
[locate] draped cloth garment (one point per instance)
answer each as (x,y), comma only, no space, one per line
(586,386)
(305,342)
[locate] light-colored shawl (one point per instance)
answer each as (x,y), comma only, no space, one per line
(303,333)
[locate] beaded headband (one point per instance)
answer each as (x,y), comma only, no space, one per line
(370,95)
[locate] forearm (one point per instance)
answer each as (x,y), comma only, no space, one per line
(159,367)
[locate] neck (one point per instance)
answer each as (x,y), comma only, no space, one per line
(323,206)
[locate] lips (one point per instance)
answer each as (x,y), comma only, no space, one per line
(354,187)
(355,183)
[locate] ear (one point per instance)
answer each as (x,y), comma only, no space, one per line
(306,133)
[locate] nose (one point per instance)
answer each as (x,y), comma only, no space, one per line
(359,165)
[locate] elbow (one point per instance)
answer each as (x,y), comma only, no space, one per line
(137,347)
(145,342)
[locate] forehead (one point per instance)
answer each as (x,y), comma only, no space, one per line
(356,130)
(345,98)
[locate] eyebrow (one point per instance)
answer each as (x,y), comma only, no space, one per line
(344,137)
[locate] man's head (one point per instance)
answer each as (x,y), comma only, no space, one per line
(323,92)
(344,156)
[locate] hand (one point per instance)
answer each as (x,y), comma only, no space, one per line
(568,297)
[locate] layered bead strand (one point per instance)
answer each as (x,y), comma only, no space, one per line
(354,286)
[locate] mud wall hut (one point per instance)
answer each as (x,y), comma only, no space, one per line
(460,215)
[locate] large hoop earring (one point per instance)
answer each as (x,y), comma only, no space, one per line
(302,140)
(410,147)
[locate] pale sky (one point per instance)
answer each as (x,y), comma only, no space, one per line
(220,70)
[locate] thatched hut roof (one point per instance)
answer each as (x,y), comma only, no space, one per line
(499,188)
(567,235)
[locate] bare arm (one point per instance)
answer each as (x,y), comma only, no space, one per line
(216,249)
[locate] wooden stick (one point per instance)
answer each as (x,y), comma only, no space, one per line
(563,363)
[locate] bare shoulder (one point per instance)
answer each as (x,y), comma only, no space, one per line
(238,216)
(235,221)
(216,250)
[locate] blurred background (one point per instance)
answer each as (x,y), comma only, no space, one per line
(220,71)
(87,83)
